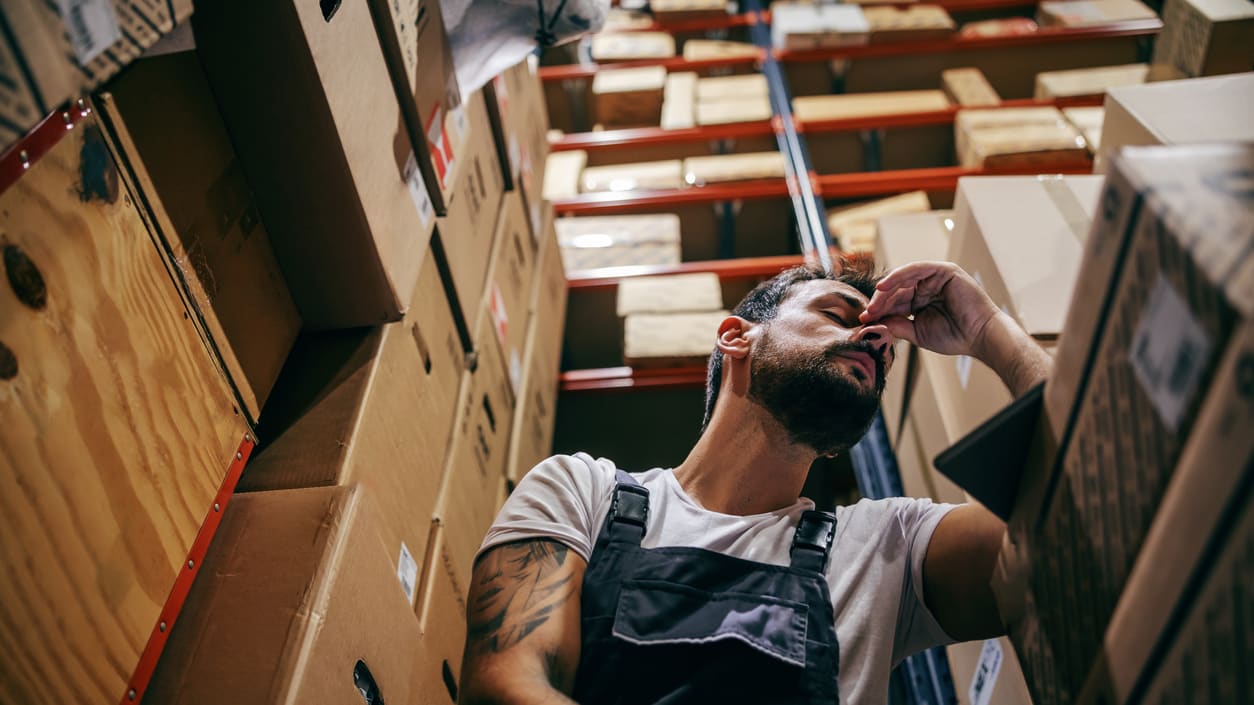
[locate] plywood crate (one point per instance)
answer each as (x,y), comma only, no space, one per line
(118,429)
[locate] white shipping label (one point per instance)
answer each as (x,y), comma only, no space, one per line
(92,26)
(963,363)
(985,678)
(407,571)
(1169,353)
(515,370)
(418,190)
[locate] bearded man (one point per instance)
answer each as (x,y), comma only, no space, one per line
(713,582)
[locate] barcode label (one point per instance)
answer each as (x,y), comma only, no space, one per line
(1169,353)
(418,191)
(407,571)
(92,26)
(985,678)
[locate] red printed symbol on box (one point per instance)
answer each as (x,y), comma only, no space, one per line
(500,321)
(441,146)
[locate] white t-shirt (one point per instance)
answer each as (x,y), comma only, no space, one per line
(875,571)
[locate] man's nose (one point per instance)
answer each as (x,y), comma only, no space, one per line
(878,336)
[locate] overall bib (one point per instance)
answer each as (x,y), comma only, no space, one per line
(688,625)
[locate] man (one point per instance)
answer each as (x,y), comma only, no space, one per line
(713,582)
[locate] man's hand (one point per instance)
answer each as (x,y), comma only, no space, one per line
(939,307)
(523,625)
(950,311)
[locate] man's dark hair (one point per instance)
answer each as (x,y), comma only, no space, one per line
(762,304)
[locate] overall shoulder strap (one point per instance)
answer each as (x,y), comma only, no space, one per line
(629,510)
(812,542)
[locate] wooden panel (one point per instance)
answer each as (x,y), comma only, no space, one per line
(117,429)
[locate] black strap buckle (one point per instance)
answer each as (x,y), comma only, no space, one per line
(631,505)
(815,531)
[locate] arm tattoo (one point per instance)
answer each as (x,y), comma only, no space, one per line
(517,588)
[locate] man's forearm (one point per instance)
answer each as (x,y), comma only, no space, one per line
(1013,355)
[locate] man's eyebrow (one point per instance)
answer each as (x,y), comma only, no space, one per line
(850,300)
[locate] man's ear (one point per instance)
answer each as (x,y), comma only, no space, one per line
(733,337)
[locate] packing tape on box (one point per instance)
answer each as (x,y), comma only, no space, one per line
(1073,214)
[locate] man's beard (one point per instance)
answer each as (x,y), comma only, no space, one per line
(818,404)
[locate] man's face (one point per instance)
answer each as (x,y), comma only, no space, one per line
(817,370)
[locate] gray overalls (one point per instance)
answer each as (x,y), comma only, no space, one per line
(688,625)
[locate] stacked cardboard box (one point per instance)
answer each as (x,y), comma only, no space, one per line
(521,119)
(727,99)
(683,10)
(664,174)
(854,227)
(593,242)
(1205,37)
(969,88)
(1177,112)
(916,22)
(670,321)
(1080,13)
(799,25)
(1016,138)
(723,168)
(1093,81)
(563,172)
(54,52)
(679,99)
(631,46)
(1137,415)
(703,49)
(629,97)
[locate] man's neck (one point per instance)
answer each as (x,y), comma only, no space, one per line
(744,464)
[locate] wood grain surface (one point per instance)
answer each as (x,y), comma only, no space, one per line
(116,429)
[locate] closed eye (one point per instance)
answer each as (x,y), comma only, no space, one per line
(838,318)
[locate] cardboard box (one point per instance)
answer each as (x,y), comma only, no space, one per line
(722,168)
(987,672)
(1208,657)
(511,280)
(467,232)
(969,88)
(531,439)
(47,59)
(913,23)
(842,107)
(1205,37)
(968,121)
(731,87)
(593,242)
(906,238)
(679,101)
(475,466)
(1094,81)
(665,174)
(631,46)
(1204,489)
(1021,238)
(548,300)
(420,61)
(344,412)
(1168,225)
(911,465)
(705,49)
(118,425)
(934,414)
(296,601)
(516,99)
(670,339)
(181,163)
(1083,13)
(670,293)
(312,112)
(854,226)
(1177,112)
(1016,137)
(622,20)
(729,110)
(799,25)
(629,97)
(683,10)
(442,616)
(1089,122)
(563,173)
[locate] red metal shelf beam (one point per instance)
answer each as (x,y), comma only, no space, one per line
(956,43)
(881,183)
(726,269)
(629,379)
(609,203)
